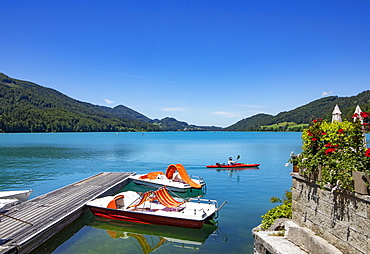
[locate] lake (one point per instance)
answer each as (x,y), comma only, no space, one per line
(45,162)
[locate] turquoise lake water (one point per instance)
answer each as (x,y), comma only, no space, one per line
(45,162)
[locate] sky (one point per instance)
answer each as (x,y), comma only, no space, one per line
(208,63)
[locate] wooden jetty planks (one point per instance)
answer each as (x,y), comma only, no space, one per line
(53,211)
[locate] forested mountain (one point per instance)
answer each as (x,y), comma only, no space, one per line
(321,108)
(28,107)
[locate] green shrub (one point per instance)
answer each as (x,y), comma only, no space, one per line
(284,210)
(333,151)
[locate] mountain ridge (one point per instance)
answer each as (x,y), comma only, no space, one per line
(320,108)
(28,107)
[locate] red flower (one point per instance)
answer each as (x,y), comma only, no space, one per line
(355,115)
(309,133)
(315,121)
(364,114)
(330,150)
(330,145)
(314,139)
(367,153)
(341,131)
(323,133)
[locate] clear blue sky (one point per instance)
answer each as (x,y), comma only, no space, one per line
(203,62)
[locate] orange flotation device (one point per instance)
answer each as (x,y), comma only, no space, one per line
(152,175)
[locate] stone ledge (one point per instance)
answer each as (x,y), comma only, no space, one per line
(296,240)
(308,240)
(264,240)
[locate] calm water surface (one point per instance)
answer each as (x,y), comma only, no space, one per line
(45,162)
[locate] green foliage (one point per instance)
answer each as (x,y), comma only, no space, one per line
(284,210)
(284,126)
(27,107)
(321,108)
(331,151)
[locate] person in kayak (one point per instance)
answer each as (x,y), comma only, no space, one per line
(231,162)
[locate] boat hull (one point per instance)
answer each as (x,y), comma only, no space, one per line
(20,195)
(7,203)
(241,165)
(147,218)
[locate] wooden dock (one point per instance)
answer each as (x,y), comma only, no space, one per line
(35,221)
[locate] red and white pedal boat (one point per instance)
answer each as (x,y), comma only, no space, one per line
(155,207)
(175,179)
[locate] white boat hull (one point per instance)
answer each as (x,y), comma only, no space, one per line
(173,185)
(193,214)
(7,203)
(21,195)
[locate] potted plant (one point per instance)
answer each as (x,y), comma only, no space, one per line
(293,160)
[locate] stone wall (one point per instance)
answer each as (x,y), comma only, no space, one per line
(343,219)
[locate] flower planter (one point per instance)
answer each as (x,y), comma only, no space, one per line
(294,161)
(295,168)
(361,182)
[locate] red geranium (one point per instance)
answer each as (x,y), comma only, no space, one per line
(330,150)
(364,114)
(367,153)
(330,145)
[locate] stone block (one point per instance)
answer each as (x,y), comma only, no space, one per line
(308,240)
(266,242)
(360,207)
(294,183)
(298,207)
(358,241)
(340,231)
(297,196)
(361,225)
(325,208)
(297,218)
(331,237)
(325,195)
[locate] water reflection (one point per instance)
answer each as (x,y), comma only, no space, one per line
(234,171)
(91,234)
(149,238)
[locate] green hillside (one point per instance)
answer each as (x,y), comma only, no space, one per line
(28,107)
(303,115)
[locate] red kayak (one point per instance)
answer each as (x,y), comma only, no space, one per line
(237,165)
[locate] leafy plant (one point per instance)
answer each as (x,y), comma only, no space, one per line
(331,151)
(284,210)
